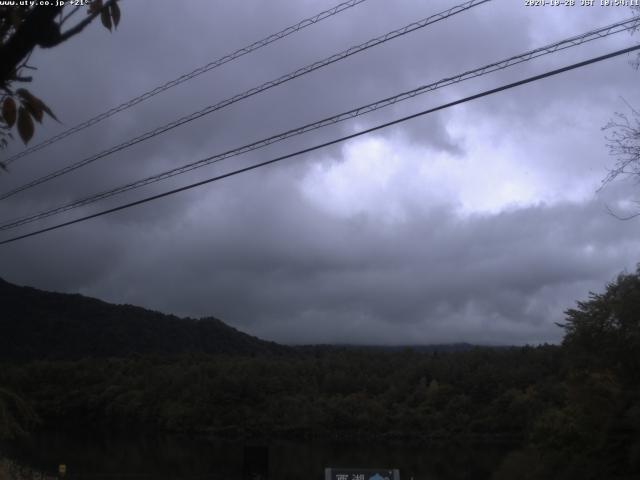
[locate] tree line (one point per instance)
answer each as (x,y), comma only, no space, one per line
(569,411)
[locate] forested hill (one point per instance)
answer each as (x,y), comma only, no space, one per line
(35,324)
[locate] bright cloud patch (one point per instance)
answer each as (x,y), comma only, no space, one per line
(390,179)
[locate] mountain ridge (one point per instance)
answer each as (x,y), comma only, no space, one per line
(41,325)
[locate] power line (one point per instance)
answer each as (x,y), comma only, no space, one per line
(253,91)
(326,144)
(188,76)
(502,64)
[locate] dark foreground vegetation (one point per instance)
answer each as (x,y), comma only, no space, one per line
(572,411)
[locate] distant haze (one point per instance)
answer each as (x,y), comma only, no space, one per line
(480,224)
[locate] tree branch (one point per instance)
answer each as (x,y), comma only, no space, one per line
(69,15)
(37,28)
(621,217)
(82,25)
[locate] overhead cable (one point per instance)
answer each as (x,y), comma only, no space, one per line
(188,76)
(253,91)
(323,145)
(371,107)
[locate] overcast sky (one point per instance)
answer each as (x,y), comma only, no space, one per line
(481,223)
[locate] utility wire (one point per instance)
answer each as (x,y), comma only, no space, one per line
(500,65)
(188,76)
(253,91)
(326,144)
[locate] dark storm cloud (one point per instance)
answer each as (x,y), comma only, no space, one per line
(277,266)
(259,253)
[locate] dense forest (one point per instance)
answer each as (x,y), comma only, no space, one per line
(570,411)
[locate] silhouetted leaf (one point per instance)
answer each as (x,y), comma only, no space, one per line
(115,14)
(35,106)
(25,94)
(48,111)
(105,18)
(35,112)
(25,125)
(9,111)
(31,103)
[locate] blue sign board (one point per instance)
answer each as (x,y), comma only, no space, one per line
(361,474)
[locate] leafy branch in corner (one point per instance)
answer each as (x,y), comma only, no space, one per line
(22,29)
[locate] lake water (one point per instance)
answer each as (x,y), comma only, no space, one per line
(177,457)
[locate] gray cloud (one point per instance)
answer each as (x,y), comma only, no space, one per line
(478,223)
